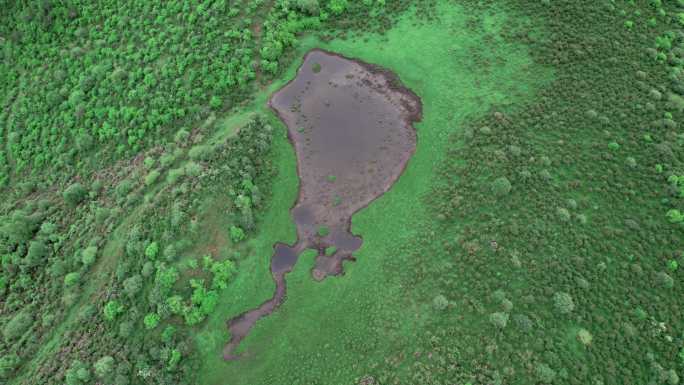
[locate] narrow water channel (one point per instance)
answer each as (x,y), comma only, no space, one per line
(351,124)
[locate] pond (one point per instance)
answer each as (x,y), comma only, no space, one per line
(351,125)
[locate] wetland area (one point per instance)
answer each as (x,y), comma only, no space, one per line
(351,125)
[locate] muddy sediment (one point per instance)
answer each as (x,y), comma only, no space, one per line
(351,126)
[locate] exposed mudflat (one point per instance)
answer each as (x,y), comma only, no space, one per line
(351,126)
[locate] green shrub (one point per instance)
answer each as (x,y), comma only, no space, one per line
(323,231)
(112,309)
(563,302)
(132,285)
(215,102)
(202,152)
(175,175)
(89,255)
(523,322)
(563,214)
(544,373)
(440,302)
(499,319)
(152,250)
(584,337)
(74,194)
(663,279)
(193,169)
(236,234)
(8,364)
(104,366)
(17,326)
(501,186)
(151,321)
(36,253)
(152,177)
(72,279)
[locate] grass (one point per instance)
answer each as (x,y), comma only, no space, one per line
(331,332)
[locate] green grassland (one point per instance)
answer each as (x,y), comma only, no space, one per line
(360,315)
(534,238)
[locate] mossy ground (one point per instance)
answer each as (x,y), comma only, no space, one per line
(334,331)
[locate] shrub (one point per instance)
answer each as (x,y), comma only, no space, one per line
(112,309)
(215,102)
(152,177)
(236,234)
(337,6)
(201,152)
(151,321)
(74,194)
(132,285)
(125,329)
(152,250)
(631,162)
(309,6)
(149,162)
(104,366)
(193,169)
(523,322)
(664,280)
(72,279)
(440,302)
(507,305)
(545,373)
(17,326)
(499,319)
(36,253)
(563,302)
(8,363)
(323,231)
(501,186)
(563,214)
(175,175)
(88,255)
(584,337)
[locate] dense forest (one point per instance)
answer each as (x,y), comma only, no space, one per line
(535,237)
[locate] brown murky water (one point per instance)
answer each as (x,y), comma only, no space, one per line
(351,125)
